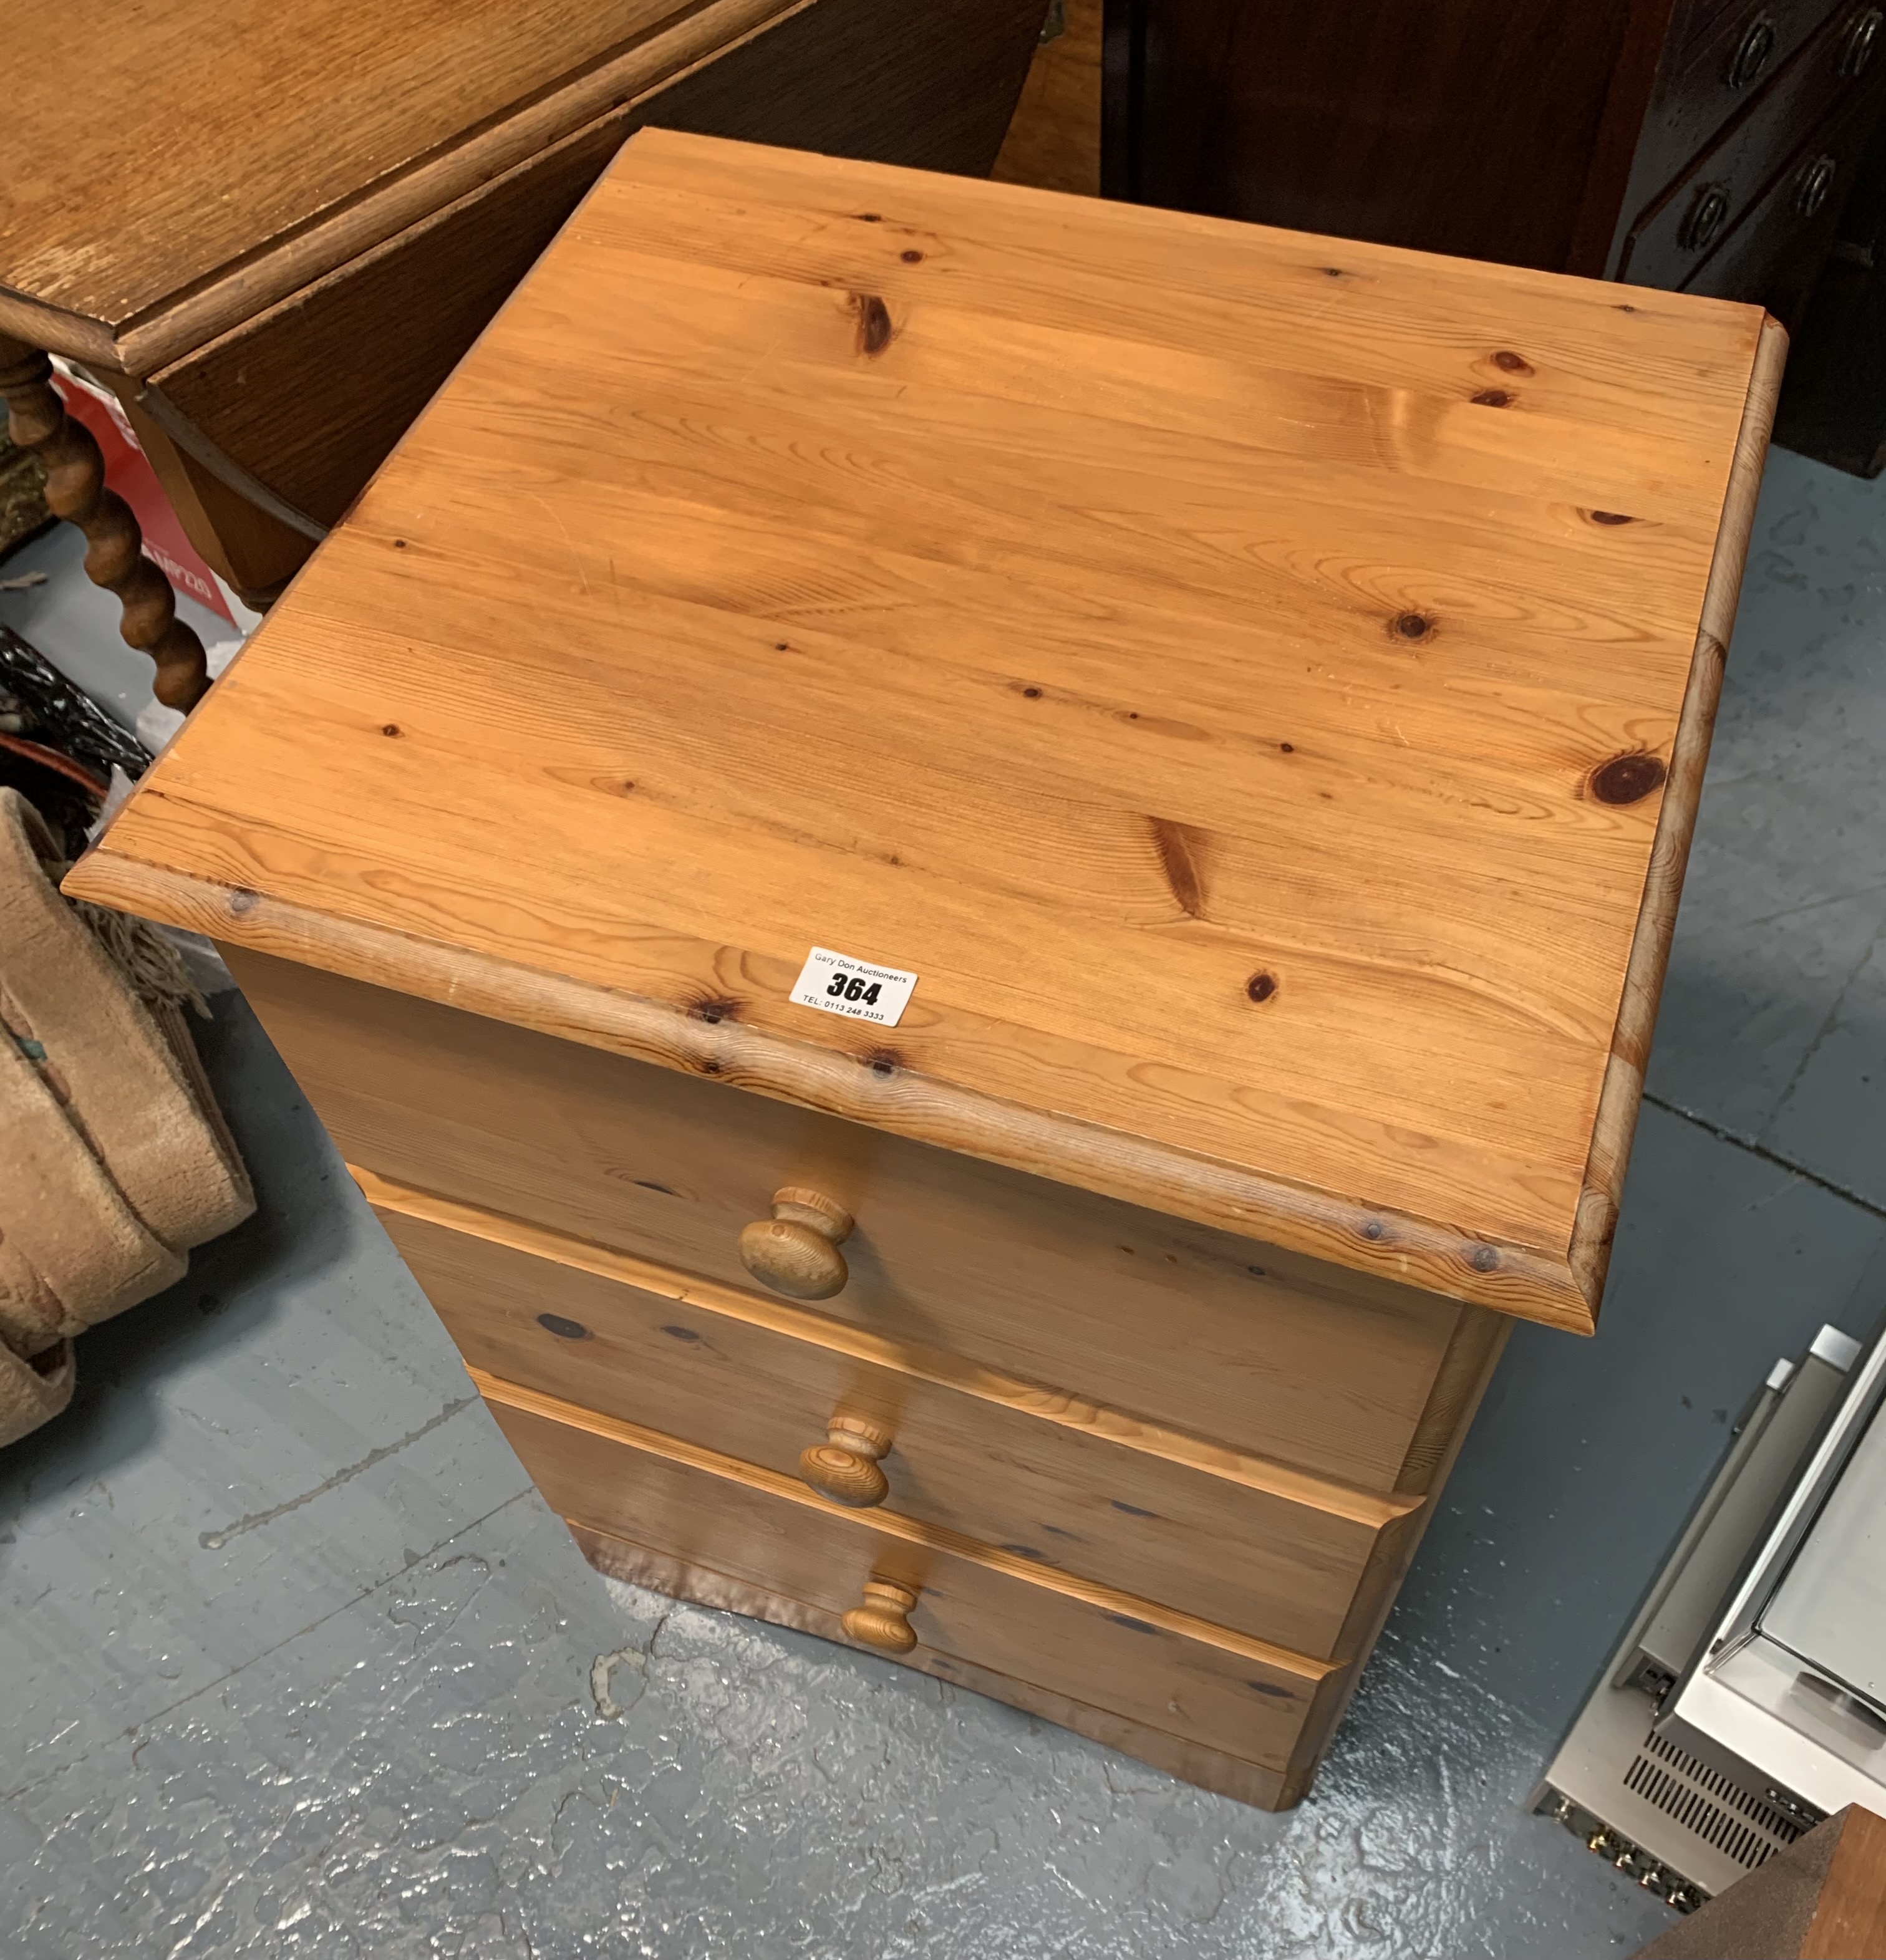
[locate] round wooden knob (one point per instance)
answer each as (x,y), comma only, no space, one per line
(844,1467)
(796,1252)
(883,1621)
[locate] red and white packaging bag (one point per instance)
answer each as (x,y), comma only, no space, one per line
(128,471)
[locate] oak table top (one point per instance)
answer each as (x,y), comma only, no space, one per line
(1259,684)
(222,154)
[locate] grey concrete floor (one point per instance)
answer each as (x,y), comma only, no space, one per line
(295,1662)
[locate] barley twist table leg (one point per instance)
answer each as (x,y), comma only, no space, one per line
(75,491)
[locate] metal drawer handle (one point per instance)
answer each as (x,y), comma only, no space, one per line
(883,1621)
(796,1252)
(1704,222)
(1812,186)
(1752,52)
(844,1467)
(1857,46)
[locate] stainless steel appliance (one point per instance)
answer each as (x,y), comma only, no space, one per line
(1746,1700)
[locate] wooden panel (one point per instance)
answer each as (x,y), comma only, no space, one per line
(1219,1336)
(1663,248)
(1040,1473)
(1822,1898)
(1850,1917)
(1198,1682)
(1054,141)
(1423,125)
(1211,1769)
(1343,905)
(312,394)
(110,211)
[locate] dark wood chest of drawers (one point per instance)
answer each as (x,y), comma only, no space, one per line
(1704,145)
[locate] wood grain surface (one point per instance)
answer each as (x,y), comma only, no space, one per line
(689,1579)
(382,331)
(1237,672)
(154,190)
(1467,125)
(1106,1648)
(1682,791)
(1064,1484)
(1054,141)
(1342,1375)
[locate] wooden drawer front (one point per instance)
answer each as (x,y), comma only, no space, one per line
(1043,1477)
(1773,255)
(1251,1700)
(1671,241)
(1697,96)
(1209,1333)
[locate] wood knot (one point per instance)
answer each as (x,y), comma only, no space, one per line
(1031,694)
(1485,1259)
(1510,363)
(1287,748)
(869,217)
(398,544)
(1180,849)
(1609,517)
(1494,398)
(1410,626)
(679,1333)
(882,1061)
(1628,778)
(564,1330)
(1261,986)
(874,329)
(244,901)
(390,728)
(715,1010)
(912,257)
(1374,1229)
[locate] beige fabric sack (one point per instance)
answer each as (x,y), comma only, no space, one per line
(114,1159)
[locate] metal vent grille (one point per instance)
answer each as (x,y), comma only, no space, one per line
(1720,1812)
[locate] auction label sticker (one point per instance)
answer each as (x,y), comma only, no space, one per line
(854,988)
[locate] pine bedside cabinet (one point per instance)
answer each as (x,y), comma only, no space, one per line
(979,879)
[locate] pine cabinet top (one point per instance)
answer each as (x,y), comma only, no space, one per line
(1258,684)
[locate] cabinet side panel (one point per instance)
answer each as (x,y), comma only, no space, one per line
(1463,126)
